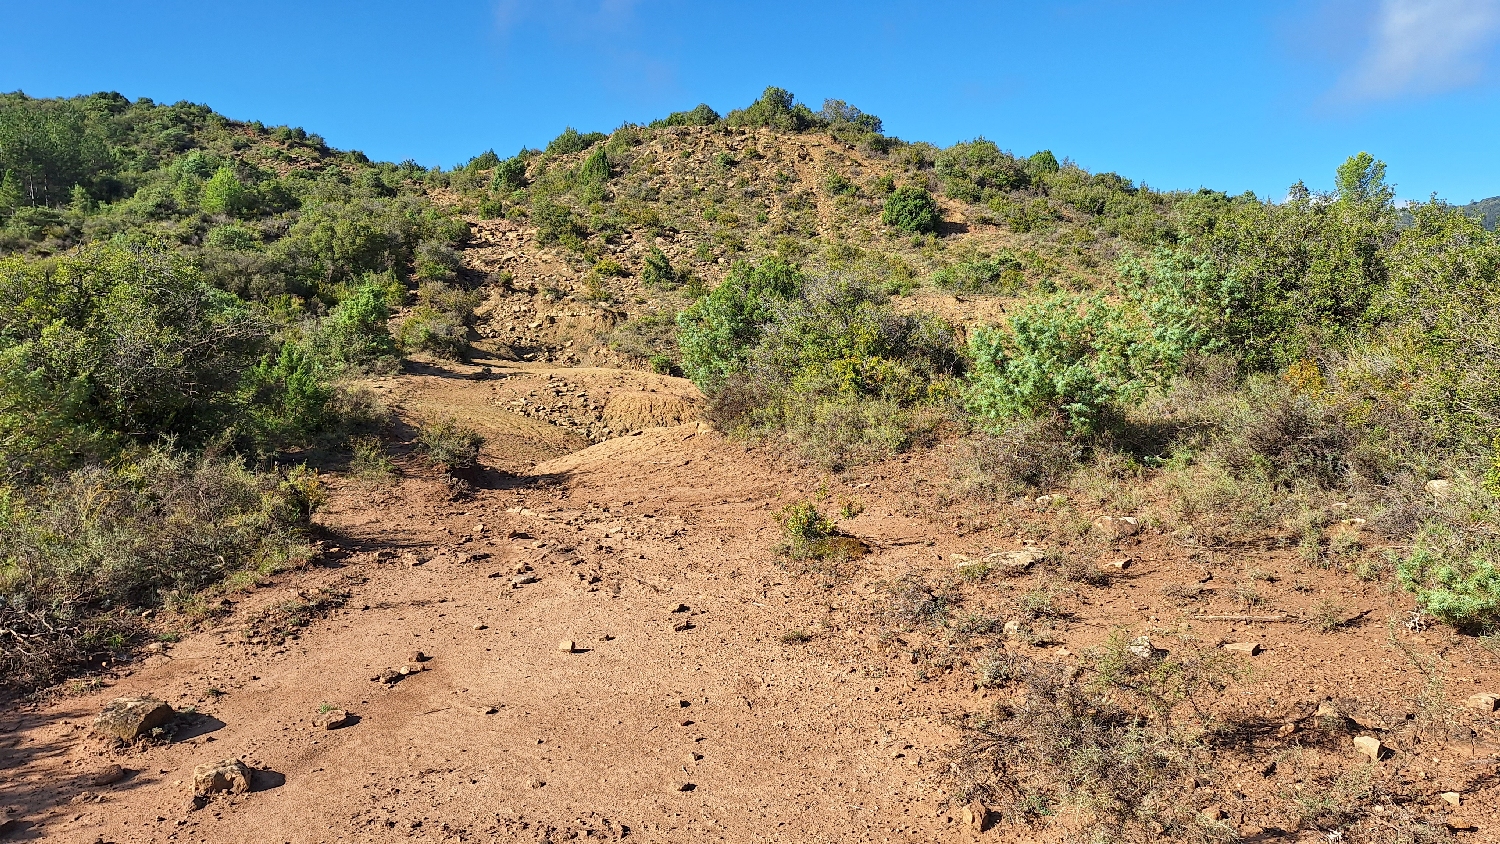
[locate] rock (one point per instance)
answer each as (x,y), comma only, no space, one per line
(1012,628)
(521,580)
(479,625)
(486,710)
(683,786)
(1141,646)
(1439,488)
(1044,500)
(389,676)
(131,718)
(1117,528)
(107,775)
(978,817)
(679,608)
(1014,562)
(1214,813)
(695,757)
(1247,648)
(230,775)
(1452,798)
(417,656)
(332,719)
(1485,702)
(1327,710)
(412,668)
(567,646)
(678,627)
(1369,746)
(1117,565)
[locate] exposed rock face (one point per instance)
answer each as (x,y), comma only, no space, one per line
(230,775)
(131,718)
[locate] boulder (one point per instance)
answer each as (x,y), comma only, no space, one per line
(1485,702)
(132,718)
(230,775)
(1369,746)
(1246,648)
(332,719)
(1117,527)
(107,775)
(1439,487)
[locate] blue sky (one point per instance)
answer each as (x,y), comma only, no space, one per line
(1218,93)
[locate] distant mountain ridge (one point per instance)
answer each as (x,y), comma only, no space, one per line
(1487,210)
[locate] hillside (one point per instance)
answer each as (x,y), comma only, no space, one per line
(879,491)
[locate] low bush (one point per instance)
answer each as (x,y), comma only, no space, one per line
(910,209)
(449,443)
(80,558)
(1003,273)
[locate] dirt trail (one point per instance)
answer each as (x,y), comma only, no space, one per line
(685,712)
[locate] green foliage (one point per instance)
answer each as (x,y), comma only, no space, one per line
(572,141)
(114,341)
(776,109)
(78,556)
(1002,273)
(656,270)
(441,321)
(510,174)
(911,209)
(447,442)
(1081,357)
(224,194)
(716,332)
(1455,574)
(1042,163)
(701,115)
(355,334)
(977,170)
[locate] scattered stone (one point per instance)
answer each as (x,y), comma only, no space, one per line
(1452,798)
(694,757)
(1141,646)
(107,775)
(1117,565)
(521,580)
(417,656)
(682,625)
(1044,500)
(1369,746)
(1327,710)
(412,668)
(156,648)
(389,676)
(567,646)
(1247,648)
(680,608)
(486,710)
(1214,813)
(1012,628)
(132,718)
(1439,487)
(230,775)
(479,625)
(683,786)
(1117,528)
(1014,563)
(332,719)
(535,783)
(978,817)
(1485,702)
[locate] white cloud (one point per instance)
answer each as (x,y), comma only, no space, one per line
(1425,47)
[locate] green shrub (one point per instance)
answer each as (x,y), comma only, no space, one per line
(656,271)
(81,556)
(1003,273)
(701,115)
(510,174)
(977,170)
(1075,356)
(572,141)
(354,335)
(223,193)
(449,443)
(776,109)
(1455,574)
(715,332)
(911,209)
